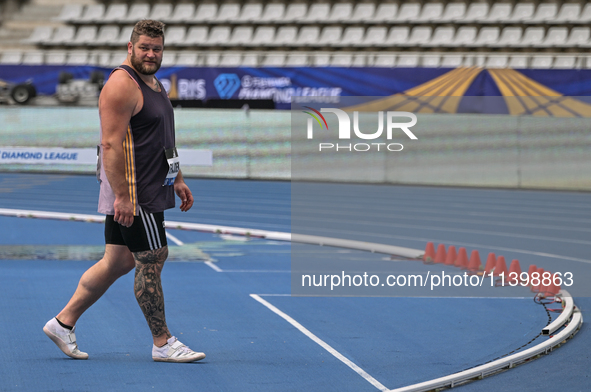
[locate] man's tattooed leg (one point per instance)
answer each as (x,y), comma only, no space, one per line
(148,288)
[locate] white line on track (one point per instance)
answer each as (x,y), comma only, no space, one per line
(174,239)
(213,266)
(321,343)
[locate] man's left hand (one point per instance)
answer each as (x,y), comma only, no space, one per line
(184,193)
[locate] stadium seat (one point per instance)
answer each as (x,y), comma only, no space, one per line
(317,13)
(408,60)
(352,36)
(187,59)
(532,36)
(70,12)
(385,60)
(408,12)
(182,13)
(465,36)
(241,36)
(585,16)
(431,12)
(55,57)
(518,61)
(93,13)
(375,36)
(100,58)
(295,12)
(230,59)
(509,36)
(286,35)
(522,12)
(263,35)
(497,61)
(340,13)
(249,60)
(545,12)
(11,58)
(205,13)
(397,36)
(169,59)
(218,35)
(556,36)
(541,61)
(320,59)
(499,12)
(124,37)
(116,12)
(62,35)
(297,60)
(330,36)
(341,60)
(274,60)
(228,12)
(40,35)
(359,60)
(33,58)
(431,60)
(578,37)
(453,12)
(363,12)
(476,12)
(196,36)
(175,36)
(86,35)
(385,13)
(273,13)
(487,36)
(452,60)
(161,11)
(419,36)
(117,58)
(569,13)
(251,12)
(77,57)
(212,59)
(565,62)
(137,12)
(443,36)
(308,35)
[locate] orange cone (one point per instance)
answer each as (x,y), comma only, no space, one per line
(501,267)
(451,257)
(429,255)
(440,255)
(475,264)
(462,260)
(514,272)
(491,263)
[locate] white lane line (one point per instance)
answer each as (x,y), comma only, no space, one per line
(322,343)
(174,239)
(213,266)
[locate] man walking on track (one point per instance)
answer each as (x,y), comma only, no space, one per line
(138,173)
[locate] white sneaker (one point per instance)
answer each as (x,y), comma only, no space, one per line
(64,338)
(175,351)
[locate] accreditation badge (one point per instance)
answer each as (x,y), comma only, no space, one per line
(174,165)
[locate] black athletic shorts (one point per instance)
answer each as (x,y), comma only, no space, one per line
(146,232)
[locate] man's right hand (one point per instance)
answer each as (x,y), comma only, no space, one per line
(123,211)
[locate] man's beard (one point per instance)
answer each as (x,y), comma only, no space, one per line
(139,65)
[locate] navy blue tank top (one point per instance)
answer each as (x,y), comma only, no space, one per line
(149,134)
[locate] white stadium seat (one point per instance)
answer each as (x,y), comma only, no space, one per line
(181,14)
(212,59)
(11,58)
(274,60)
(522,12)
(55,57)
(308,35)
(228,12)
(286,35)
(509,36)
(70,12)
(375,36)
(452,60)
(295,12)
(408,12)
(175,35)
(453,12)
(363,12)
(263,35)
(297,60)
(408,60)
(341,60)
(196,36)
(218,35)
(84,36)
(476,12)
(578,37)
(518,61)
(487,36)
(397,36)
(352,36)
(497,61)
(443,36)
(465,35)
(585,16)
(330,36)
(251,12)
(340,13)
(137,12)
(40,35)
(420,36)
(161,11)
(317,13)
(569,12)
(545,12)
(77,57)
(249,60)
(431,61)
(431,12)
(241,35)
(385,60)
(385,13)
(556,36)
(230,59)
(565,62)
(124,36)
(116,12)
(320,59)
(499,12)
(273,13)
(532,36)
(205,13)
(33,58)
(62,35)
(92,13)
(541,61)
(187,59)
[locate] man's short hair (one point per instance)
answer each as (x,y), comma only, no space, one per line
(147,27)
